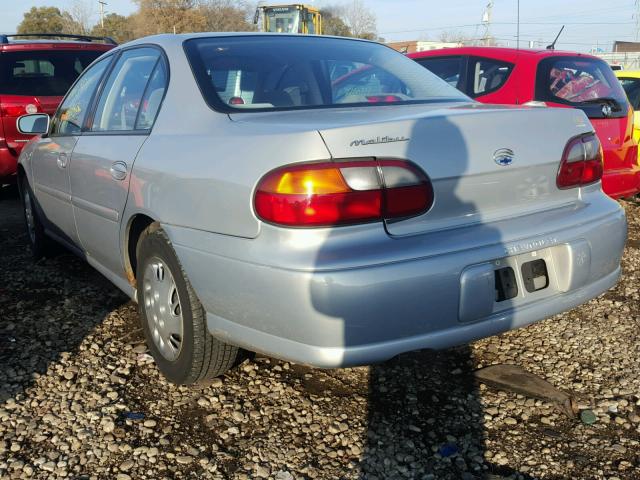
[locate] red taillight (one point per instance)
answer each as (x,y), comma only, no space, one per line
(236,101)
(342,193)
(383,98)
(14,110)
(581,162)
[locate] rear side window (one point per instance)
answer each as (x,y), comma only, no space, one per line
(153,96)
(122,95)
(576,81)
(46,73)
(450,69)
(487,75)
(295,72)
(631,87)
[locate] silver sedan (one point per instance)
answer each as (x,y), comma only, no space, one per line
(321,200)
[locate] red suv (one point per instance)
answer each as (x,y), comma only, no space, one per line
(554,79)
(34,76)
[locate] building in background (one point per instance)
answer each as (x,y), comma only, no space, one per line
(413,46)
(624,54)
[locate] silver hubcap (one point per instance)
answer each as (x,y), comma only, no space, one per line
(28,213)
(162,307)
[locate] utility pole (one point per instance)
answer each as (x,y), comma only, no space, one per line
(102,4)
(637,18)
(518,30)
(486,21)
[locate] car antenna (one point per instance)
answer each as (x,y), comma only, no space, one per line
(553,45)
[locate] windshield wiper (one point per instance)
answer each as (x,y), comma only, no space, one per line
(615,104)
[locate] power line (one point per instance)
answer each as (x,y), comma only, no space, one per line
(469,25)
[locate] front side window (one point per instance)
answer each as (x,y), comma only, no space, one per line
(73,111)
(450,69)
(46,73)
(488,75)
(284,72)
(122,95)
(576,81)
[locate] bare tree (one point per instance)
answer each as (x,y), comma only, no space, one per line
(360,20)
(451,36)
(80,16)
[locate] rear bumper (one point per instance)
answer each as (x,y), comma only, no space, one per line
(456,334)
(356,296)
(622,183)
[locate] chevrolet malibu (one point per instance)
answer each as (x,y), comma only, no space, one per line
(321,200)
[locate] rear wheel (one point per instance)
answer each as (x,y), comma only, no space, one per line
(173,319)
(41,245)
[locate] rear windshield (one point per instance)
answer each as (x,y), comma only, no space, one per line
(291,72)
(46,73)
(577,80)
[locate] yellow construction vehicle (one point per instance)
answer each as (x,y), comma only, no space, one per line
(291,18)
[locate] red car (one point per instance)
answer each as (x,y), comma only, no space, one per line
(34,76)
(554,79)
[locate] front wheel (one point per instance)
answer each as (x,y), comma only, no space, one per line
(173,319)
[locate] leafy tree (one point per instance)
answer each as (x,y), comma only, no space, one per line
(227,16)
(44,20)
(168,16)
(179,16)
(332,24)
(116,26)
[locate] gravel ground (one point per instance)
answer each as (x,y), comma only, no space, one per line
(81,398)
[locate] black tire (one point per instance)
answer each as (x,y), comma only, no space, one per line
(41,245)
(201,356)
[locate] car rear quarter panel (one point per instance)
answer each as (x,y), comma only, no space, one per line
(198,169)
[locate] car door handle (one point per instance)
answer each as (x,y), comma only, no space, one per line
(118,170)
(63,160)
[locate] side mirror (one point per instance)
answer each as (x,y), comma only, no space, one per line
(33,124)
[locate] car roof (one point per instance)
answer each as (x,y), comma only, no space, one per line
(501,53)
(171,40)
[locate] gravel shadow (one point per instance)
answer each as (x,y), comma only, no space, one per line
(45,307)
(426,419)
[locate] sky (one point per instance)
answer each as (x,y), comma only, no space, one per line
(589,24)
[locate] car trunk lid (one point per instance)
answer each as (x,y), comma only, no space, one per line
(485,163)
